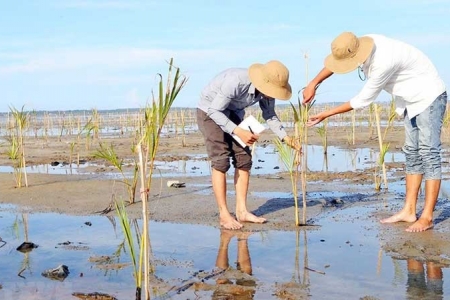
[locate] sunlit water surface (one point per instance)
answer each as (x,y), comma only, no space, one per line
(343,255)
(265,161)
(346,255)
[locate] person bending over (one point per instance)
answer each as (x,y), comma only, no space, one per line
(220,110)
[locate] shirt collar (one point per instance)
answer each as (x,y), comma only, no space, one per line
(366,65)
(251,89)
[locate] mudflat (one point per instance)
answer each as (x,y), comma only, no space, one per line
(94,193)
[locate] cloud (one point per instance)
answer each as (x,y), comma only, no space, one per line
(285,27)
(69,59)
(428,8)
(418,2)
(132,98)
(11,56)
(106,4)
(426,40)
(125,58)
(119,79)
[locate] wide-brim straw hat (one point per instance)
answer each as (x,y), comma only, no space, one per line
(348,52)
(271,79)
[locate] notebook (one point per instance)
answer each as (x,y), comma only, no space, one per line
(247,123)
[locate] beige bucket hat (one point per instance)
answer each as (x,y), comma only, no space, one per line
(348,52)
(271,79)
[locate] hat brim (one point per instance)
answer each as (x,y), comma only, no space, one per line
(267,88)
(342,66)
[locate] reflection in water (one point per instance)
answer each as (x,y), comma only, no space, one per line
(424,282)
(325,163)
(245,285)
(282,263)
(26,259)
(298,288)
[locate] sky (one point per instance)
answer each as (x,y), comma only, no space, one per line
(106,54)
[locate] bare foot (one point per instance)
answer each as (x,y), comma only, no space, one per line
(242,236)
(402,216)
(249,217)
(229,222)
(227,234)
(420,225)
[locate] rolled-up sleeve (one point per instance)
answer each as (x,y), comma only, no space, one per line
(268,113)
(374,85)
(220,103)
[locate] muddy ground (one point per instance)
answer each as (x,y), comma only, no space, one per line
(195,204)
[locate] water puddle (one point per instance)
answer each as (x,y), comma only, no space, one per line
(340,259)
(59,169)
(266,161)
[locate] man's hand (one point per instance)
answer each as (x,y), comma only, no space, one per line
(246,136)
(310,90)
(316,119)
(293,143)
(309,93)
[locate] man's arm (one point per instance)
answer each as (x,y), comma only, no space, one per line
(216,110)
(269,115)
(343,108)
(310,90)
(220,103)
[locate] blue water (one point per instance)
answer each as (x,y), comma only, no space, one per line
(345,247)
(265,161)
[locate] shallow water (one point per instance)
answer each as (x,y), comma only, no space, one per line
(345,247)
(265,161)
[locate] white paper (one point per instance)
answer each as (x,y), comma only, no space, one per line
(246,124)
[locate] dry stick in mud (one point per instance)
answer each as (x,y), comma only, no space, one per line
(155,116)
(148,141)
(301,135)
(383,150)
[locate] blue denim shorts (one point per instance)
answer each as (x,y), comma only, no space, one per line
(422,146)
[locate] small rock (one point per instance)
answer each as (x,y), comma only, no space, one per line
(59,273)
(92,296)
(26,247)
(175,184)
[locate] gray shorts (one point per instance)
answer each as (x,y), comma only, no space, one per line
(220,145)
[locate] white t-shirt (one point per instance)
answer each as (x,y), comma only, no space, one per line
(403,71)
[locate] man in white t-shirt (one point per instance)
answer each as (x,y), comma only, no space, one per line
(420,97)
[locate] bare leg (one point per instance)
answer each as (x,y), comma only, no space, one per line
(222,261)
(426,219)
(222,255)
(408,213)
(243,255)
(433,271)
(241,180)
(414,266)
(220,191)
